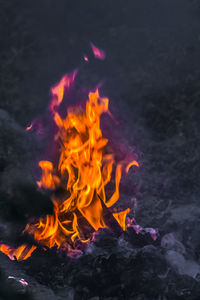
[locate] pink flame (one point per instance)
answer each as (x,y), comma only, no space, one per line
(58,90)
(98,53)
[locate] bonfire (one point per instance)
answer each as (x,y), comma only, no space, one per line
(84,168)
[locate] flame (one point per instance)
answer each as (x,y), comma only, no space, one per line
(29,127)
(98,53)
(58,90)
(132,163)
(20,253)
(82,173)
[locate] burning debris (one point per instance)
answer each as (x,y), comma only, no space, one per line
(78,180)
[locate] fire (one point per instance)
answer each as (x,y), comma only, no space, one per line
(84,169)
(98,53)
(20,253)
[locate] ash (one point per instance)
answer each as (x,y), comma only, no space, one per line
(151,75)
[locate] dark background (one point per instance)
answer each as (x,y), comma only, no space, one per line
(151,75)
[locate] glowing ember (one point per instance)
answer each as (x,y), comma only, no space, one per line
(84,169)
(29,127)
(36,126)
(98,53)
(20,280)
(85,58)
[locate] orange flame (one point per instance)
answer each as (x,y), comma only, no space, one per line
(20,253)
(132,163)
(83,171)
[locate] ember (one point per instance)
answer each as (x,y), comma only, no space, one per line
(84,169)
(98,53)
(20,280)
(36,125)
